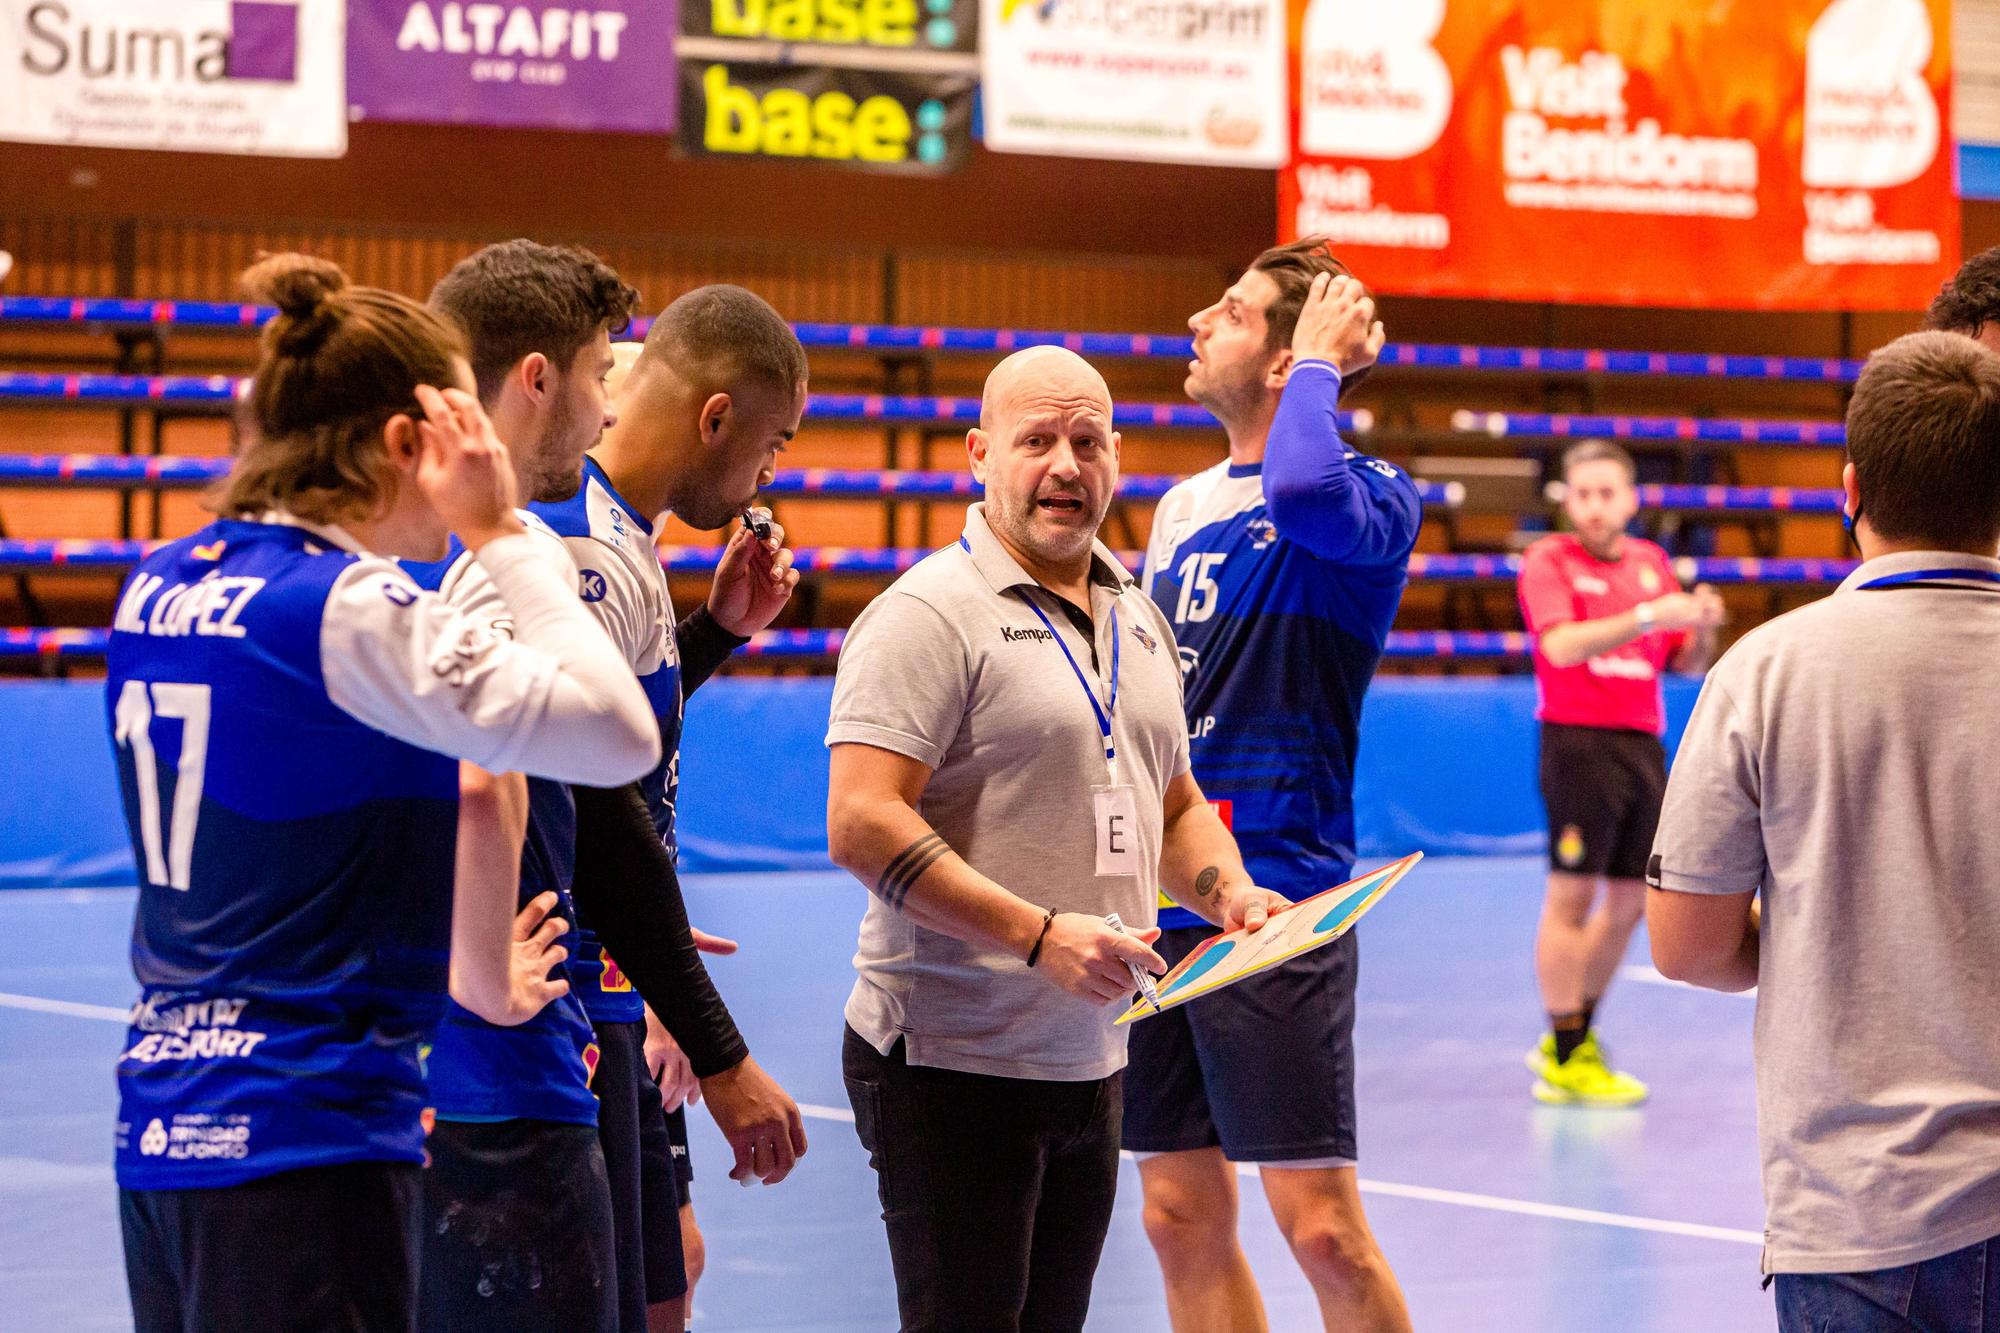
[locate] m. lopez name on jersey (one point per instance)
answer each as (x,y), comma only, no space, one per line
(210,605)
(193,1030)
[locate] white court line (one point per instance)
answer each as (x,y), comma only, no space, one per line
(1423,1193)
(1462,1199)
(69,1007)
(1652,977)
(104,894)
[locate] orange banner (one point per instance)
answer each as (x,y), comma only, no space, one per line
(1781,154)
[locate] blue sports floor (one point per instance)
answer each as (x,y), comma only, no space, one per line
(1499,1215)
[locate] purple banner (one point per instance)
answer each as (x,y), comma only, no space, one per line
(609,66)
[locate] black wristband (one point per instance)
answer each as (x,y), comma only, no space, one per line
(1047,921)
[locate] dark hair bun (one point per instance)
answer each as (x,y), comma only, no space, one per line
(302,288)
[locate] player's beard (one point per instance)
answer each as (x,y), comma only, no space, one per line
(556,467)
(1230,396)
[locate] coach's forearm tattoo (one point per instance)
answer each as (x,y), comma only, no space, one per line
(902,874)
(1204,883)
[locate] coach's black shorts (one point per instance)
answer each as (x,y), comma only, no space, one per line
(645,1200)
(325,1248)
(1602,788)
(517,1230)
(1263,1069)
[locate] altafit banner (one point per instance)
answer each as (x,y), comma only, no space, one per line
(589,65)
(204,76)
(1791,154)
(1200,81)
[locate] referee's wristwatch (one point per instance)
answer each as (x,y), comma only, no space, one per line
(1643,613)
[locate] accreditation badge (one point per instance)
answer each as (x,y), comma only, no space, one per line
(1116,809)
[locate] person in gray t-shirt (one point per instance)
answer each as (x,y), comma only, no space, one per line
(1837,763)
(1009,765)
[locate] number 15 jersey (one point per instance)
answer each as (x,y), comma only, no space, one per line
(1281,579)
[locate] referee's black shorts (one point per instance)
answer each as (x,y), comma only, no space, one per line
(1602,787)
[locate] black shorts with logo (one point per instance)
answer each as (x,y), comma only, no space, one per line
(518,1235)
(1602,787)
(638,1157)
(326,1248)
(1263,1069)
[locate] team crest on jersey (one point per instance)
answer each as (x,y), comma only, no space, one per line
(591,585)
(1649,579)
(1146,641)
(212,551)
(1262,532)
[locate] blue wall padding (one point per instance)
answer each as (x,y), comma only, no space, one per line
(1447,766)
(60,822)
(753,775)
(1450,765)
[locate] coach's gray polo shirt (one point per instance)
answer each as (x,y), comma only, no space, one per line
(1842,760)
(952,667)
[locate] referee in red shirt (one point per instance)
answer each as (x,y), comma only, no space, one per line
(1607,616)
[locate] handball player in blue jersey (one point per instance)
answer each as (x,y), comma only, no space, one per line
(286,708)
(1281,569)
(704,407)
(541,1212)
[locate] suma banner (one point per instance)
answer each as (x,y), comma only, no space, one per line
(192,76)
(1791,154)
(592,65)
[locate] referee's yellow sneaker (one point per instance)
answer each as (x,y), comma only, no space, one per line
(1582,1080)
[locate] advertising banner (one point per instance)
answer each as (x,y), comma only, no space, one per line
(199,76)
(565,66)
(1199,81)
(912,26)
(1786,155)
(882,120)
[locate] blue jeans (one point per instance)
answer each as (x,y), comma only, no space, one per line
(1953,1293)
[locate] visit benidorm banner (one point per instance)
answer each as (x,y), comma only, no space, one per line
(1791,154)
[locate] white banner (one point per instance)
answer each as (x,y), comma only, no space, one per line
(204,76)
(1199,81)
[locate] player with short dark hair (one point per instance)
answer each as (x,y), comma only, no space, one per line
(535,1188)
(1608,616)
(529,300)
(1281,569)
(703,409)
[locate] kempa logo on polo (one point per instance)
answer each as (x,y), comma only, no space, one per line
(1012,635)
